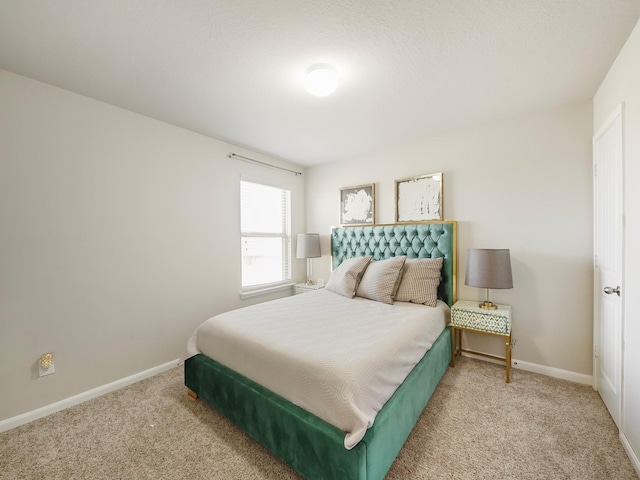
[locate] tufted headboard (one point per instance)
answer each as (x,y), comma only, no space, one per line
(415,240)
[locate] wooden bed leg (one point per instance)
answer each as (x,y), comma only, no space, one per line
(192,394)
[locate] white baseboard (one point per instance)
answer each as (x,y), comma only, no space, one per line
(27,417)
(630,452)
(542,369)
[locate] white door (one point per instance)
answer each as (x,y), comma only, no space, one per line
(608,262)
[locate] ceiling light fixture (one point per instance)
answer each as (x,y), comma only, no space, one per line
(322,80)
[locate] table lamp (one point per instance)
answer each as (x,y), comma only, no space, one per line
(308,246)
(488,268)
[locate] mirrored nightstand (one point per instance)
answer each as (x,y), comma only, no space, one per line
(467,315)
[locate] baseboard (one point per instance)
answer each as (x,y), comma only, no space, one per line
(630,452)
(542,369)
(27,417)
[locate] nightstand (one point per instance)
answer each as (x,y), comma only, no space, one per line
(299,288)
(467,315)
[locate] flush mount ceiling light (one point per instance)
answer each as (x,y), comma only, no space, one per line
(322,80)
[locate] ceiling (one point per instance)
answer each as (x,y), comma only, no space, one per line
(234,69)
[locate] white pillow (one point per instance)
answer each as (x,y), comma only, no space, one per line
(380,278)
(420,280)
(345,278)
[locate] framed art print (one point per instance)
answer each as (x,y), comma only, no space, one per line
(358,205)
(419,199)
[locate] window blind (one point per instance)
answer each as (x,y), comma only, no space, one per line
(265,224)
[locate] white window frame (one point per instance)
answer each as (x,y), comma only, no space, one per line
(285,235)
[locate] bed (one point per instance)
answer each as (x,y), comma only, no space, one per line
(310,442)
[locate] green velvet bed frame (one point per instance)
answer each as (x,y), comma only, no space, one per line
(308,444)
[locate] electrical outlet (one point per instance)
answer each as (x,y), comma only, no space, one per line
(46,365)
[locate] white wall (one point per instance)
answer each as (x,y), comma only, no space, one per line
(119,235)
(622,84)
(523,183)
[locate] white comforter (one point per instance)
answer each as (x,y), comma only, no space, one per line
(340,359)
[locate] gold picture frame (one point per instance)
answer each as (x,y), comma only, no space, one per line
(358,205)
(419,199)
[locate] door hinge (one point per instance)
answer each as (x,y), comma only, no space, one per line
(595,351)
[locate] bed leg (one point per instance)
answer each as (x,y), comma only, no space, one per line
(192,394)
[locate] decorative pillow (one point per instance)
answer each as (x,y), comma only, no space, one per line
(344,279)
(380,278)
(420,280)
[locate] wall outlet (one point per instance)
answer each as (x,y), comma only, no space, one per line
(46,365)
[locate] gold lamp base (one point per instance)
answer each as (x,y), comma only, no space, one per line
(488,305)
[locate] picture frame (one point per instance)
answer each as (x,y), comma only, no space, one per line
(358,205)
(419,199)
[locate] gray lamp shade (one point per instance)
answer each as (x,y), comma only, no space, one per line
(488,268)
(308,245)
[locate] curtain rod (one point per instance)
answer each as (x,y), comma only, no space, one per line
(247,159)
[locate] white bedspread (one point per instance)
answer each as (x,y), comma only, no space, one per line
(340,359)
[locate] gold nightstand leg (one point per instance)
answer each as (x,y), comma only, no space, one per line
(456,344)
(508,359)
(453,346)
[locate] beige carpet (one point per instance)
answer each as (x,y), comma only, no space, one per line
(475,427)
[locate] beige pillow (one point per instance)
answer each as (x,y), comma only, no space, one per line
(345,278)
(420,280)
(380,278)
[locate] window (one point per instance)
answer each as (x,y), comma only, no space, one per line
(265,225)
